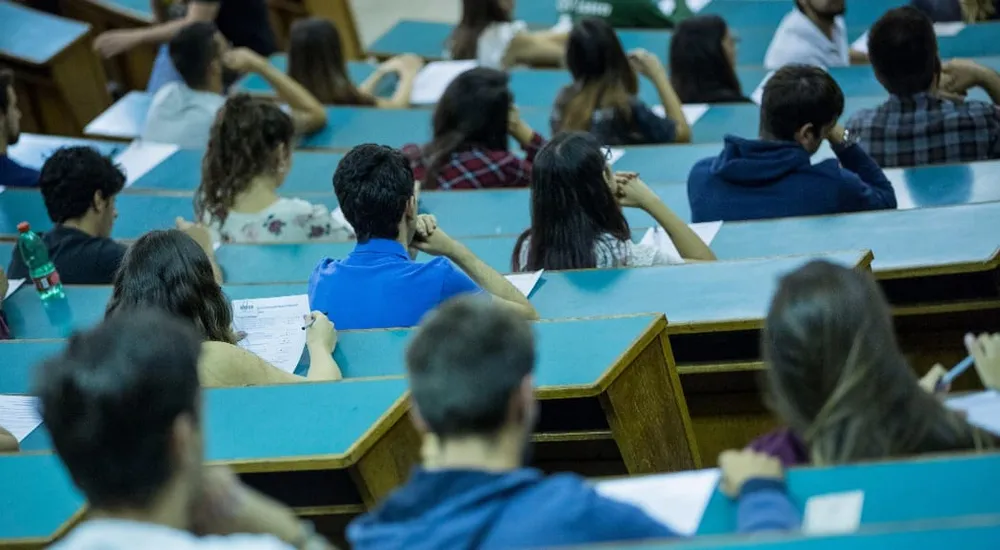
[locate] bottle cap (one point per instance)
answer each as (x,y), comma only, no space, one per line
(23,227)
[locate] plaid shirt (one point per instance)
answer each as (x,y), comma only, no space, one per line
(924,129)
(478,168)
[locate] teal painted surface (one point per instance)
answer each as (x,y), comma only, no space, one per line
(140,7)
(35,36)
(37,498)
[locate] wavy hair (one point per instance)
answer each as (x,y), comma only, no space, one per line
(243,144)
(168,271)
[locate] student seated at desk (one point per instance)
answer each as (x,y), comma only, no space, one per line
(487,33)
(379,285)
(813,33)
(469,149)
(640,14)
(836,376)
(926,119)
(576,214)
(182,113)
(969,11)
(316,61)
(169,271)
(125,411)
(248,157)
(79,187)
(602,99)
(773,177)
(703,62)
(470,369)
(12,174)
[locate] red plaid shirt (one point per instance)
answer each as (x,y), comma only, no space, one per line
(478,168)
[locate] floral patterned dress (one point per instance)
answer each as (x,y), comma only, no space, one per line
(286,221)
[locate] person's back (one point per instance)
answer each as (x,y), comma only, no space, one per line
(773,176)
(12,173)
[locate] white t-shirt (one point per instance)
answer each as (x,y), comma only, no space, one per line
(610,253)
(494,41)
(288,220)
(181,116)
(115,534)
(799,40)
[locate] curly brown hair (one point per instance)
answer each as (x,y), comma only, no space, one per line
(245,135)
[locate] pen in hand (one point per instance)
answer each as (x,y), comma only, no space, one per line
(312,320)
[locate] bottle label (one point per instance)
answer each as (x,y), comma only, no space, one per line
(45,283)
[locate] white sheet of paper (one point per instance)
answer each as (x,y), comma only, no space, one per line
(982,408)
(273,328)
(667,6)
(677,500)
(613,155)
(698,5)
(833,513)
(525,282)
(948,29)
(142,156)
(12,286)
(657,237)
(19,415)
(341,220)
(758,94)
(692,113)
(432,80)
(564,25)
(861,44)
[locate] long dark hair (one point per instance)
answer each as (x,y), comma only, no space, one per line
(700,72)
(837,377)
(476,16)
(167,270)
(572,207)
(473,111)
(316,61)
(243,144)
(602,76)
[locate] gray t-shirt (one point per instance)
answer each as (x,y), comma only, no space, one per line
(116,534)
(181,116)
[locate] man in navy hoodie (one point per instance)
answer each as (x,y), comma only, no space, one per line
(470,368)
(773,177)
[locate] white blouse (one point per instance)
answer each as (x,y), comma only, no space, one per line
(288,220)
(610,253)
(494,41)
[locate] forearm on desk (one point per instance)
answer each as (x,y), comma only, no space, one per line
(322,365)
(487,278)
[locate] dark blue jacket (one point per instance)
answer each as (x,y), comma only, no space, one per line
(466,509)
(757,179)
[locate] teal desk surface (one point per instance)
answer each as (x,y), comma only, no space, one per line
(139,9)
(255,84)
(38,497)
(571,353)
(33,36)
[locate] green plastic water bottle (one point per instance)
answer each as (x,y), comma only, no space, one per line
(36,257)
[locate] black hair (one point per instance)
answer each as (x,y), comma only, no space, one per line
(71,176)
(473,111)
(476,16)
(700,72)
(465,363)
(572,207)
(316,61)
(797,95)
(374,183)
(110,401)
(192,50)
(903,50)
(168,270)
(6,83)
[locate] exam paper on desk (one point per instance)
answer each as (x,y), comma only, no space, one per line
(142,156)
(525,282)
(434,78)
(656,236)
(19,415)
(982,409)
(12,286)
(273,328)
(677,500)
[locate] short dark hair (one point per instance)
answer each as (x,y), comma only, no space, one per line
(903,50)
(466,361)
(373,184)
(192,50)
(110,400)
(71,176)
(797,95)
(6,83)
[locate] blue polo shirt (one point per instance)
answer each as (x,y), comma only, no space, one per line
(379,286)
(13,174)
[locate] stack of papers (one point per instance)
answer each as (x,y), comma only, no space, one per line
(525,282)
(273,328)
(656,236)
(676,500)
(142,156)
(434,78)
(19,415)
(981,408)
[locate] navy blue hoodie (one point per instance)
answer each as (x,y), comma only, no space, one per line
(468,509)
(758,179)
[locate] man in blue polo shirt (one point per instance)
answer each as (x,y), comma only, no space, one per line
(379,285)
(12,174)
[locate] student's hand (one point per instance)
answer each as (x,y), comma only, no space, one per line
(322,335)
(112,43)
(977,10)
(196,231)
(738,467)
(631,191)
(646,64)
(836,134)
(518,128)
(958,76)
(431,239)
(216,507)
(243,60)
(406,62)
(985,350)
(929,382)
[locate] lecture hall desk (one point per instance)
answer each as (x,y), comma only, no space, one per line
(129,69)
(59,82)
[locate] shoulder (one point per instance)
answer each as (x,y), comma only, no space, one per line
(861,119)
(294,206)
(241,542)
